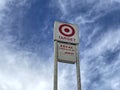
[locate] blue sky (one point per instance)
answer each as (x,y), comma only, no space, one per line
(26,44)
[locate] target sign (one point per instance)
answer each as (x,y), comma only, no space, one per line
(66,32)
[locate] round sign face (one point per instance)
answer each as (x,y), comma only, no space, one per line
(66,30)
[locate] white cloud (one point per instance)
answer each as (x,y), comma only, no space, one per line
(115,1)
(2,3)
(17,71)
(109,41)
(96,9)
(20,69)
(62,6)
(2,6)
(67,76)
(94,63)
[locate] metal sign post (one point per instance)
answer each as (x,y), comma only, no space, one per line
(66,43)
(55,66)
(78,70)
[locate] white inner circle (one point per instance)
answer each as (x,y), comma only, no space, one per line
(67,33)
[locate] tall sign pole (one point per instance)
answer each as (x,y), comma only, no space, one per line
(66,43)
(55,66)
(78,70)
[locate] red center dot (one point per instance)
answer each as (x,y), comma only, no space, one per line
(67,30)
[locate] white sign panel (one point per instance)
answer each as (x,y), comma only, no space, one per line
(66,32)
(66,53)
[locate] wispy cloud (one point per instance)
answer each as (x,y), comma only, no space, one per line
(23,70)
(19,69)
(109,41)
(95,63)
(84,11)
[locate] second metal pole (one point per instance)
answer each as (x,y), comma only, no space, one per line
(78,69)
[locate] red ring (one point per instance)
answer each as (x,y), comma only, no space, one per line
(68,35)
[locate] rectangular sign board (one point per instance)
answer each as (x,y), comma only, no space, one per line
(65,32)
(66,53)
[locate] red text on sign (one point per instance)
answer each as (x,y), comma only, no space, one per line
(67,38)
(69,53)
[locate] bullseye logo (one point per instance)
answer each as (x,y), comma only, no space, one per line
(66,30)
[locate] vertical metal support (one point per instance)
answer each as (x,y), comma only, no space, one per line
(55,66)
(78,69)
